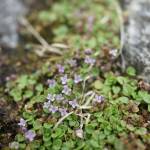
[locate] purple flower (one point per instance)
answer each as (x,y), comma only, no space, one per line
(89,60)
(51,83)
(30,135)
(53,109)
(72,62)
(77,79)
(59,97)
(73,103)
(61,69)
(24,129)
(66,90)
(88,51)
(64,79)
(99,98)
(22,122)
(63,111)
(47,104)
(51,97)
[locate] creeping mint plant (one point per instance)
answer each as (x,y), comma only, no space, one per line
(80,101)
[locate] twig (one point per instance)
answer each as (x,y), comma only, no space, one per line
(88,119)
(120,16)
(60,45)
(84,107)
(42,41)
(34,32)
(61,119)
(50,49)
(87,94)
(81,120)
(83,88)
(89,99)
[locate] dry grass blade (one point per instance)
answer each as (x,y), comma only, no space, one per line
(62,119)
(44,45)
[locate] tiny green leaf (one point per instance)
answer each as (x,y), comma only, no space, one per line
(131,71)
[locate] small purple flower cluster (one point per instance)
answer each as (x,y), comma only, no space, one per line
(51,97)
(77,79)
(64,79)
(49,104)
(59,99)
(54,100)
(63,111)
(60,68)
(73,104)
(29,134)
(51,83)
(66,90)
(58,102)
(72,62)
(89,60)
(88,51)
(22,123)
(53,109)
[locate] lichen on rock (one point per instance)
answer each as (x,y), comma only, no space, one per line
(137,37)
(10,10)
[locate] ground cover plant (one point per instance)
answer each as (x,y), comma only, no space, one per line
(79,100)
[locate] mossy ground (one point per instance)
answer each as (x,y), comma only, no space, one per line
(111,110)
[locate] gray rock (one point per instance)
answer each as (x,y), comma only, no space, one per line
(136,50)
(10,11)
